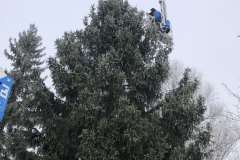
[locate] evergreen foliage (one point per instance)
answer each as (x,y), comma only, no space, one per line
(109,102)
(18,124)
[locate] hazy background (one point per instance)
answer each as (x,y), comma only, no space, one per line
(205,32)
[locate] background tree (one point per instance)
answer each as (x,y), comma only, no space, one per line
(18,126)
(234,116)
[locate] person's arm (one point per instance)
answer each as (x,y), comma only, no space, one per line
(151,17)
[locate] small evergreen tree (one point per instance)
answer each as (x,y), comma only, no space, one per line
(181,119)
(19,123)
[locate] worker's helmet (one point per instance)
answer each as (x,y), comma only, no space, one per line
(152,9)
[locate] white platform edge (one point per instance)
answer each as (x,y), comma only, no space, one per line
(2,73)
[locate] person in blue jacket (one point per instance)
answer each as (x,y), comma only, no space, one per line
(156,14)
(158,19)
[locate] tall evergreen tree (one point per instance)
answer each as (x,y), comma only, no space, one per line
(109,102)
(107,83)
(18,122)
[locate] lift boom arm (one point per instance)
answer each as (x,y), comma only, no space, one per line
(163,11)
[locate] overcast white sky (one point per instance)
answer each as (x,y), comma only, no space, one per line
(205,32)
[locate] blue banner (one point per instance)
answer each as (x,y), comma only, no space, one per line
(5,88)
